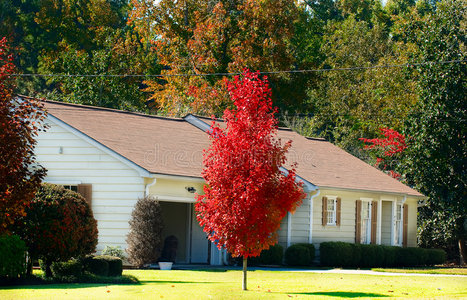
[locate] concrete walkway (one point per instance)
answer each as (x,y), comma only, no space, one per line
(322,271)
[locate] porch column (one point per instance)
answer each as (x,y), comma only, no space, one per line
(378,222)
(289,229)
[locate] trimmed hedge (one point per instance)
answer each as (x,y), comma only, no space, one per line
(67,271)
(272,256)
(300,255)
(340,254)
(12,256)
(103,265)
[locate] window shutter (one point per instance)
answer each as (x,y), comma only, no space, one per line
(85,190)
(374,221)
(405,220)
(338,211)
(358,221)
(325,211)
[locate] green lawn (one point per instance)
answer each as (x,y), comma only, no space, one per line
(262,284)
(434,270)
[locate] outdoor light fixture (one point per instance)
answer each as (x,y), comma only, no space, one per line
(190,189)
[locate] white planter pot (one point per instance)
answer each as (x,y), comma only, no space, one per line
(165,265)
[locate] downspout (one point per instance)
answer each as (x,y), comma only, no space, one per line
(310,236)
(147,186)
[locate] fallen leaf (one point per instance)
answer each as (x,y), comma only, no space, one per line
(108,291)
(390,291)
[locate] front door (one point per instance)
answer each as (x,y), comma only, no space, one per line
(199,242)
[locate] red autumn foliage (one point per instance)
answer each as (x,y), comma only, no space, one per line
(19,125)
(246,195)
(387,148)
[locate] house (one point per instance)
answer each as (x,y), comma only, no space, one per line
(114,157)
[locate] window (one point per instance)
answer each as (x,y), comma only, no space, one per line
(73,188)
(366,222)
(398,225)
(331,211)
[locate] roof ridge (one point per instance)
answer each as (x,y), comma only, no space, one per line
(104,109)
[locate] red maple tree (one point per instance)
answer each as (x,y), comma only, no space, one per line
(20,177)
(387,149)
(246,196)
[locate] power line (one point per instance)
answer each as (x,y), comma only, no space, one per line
(407,65)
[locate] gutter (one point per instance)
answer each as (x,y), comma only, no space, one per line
(148,185)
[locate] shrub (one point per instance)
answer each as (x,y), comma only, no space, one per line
(436,257)
(12,256)
(390,256)
(297,255)
(114,251)
(59,225)
(68,271)
(338,254)
(96,265)
(272,256)
(411,257)
(312,250)
(115,264)
(371,256)
(145,237)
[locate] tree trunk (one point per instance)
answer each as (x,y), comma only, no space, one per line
(244,273)
(462,254)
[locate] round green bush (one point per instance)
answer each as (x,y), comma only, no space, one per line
(411,257)
(58,225)
(12,256)
(96,265)
(371,256)
(272,256)
(115,264)
(311,250)
(297,255)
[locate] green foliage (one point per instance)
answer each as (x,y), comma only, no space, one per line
(145,236)
(371,256)
(437,127)
(12,257)
(340,254)
(298,255)
(97,265)
(436,257)
(311,250)
(337,254)
(59,225)
(115,265)
(113,251)
(68,271)
(271,256)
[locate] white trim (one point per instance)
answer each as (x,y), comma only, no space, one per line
(147,186)
(167,198)
(379,222)
(63,182)
(310,235)
(333,198)
(178,177)
(142,172)
(371,191)
(307,186)
(188,233)
(289,229)
(393,222)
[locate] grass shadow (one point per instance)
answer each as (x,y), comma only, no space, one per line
(55,286)
(342,294)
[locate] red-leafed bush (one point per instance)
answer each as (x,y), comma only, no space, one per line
(59,225)
(20,176)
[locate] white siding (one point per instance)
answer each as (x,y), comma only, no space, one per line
(115,186)
(386,223)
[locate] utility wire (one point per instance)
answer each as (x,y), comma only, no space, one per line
(239,73)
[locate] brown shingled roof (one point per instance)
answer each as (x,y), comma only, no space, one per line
(173,146)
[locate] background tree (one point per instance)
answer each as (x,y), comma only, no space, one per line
(436,160)
(246,195)
(58,225)
(20,176)
(351,104)
(200,37)
(145,236)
